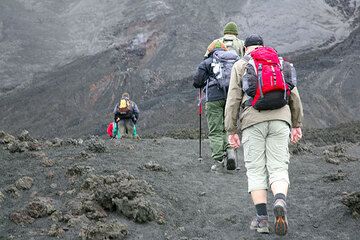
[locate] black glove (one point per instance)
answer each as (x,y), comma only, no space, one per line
(134,119)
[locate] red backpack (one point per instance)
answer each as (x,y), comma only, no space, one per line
(264,80)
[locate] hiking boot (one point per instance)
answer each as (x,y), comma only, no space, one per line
(281,223)
(260,224)
(230,159)
(218,166)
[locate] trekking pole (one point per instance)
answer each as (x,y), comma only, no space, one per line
(200,112)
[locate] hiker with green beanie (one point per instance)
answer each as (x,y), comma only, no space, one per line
(230,39)
(213,74)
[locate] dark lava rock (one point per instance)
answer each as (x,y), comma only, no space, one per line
(138,209)
(56,231)
(340,175)
(97,146)
(124,193)
(6,138)
(84,155)
(352,200)
(155,167)
(2,197)
(25,137)
(16,146)
(56,142)
(46,162)
(79,170)
(299,148)
(21,217)
(13,191)
(93,210)
(40,207)
(100,230)
(33,146)
(24,183)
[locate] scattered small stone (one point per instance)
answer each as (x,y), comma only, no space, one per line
(50,174)
(2,197)
(53,185)
(56,142)
(70,141)
(13,191)
(39,155)
(299,148)
(340,175)
(130,147)
(332,160)
(202,194)
(48,162)
(84,155)
(24,183)
(161,218)
(71,192)
(21,217)
(232,219)
(155,167)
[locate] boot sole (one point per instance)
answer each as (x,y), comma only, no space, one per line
(281,226)
(263,230)
(230,164)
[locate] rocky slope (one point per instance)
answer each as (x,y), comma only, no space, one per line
(65,63)
(108,189)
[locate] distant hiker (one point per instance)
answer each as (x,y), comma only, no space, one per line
(126,115)
(214,74)
(271,110)
(230,40)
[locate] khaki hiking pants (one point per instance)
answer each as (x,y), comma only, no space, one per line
(266,153)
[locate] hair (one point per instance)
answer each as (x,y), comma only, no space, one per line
(125,95)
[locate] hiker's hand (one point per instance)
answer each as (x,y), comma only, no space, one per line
(134,119)
(234,140)
(296,135)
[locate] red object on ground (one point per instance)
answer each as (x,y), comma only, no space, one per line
(110,129)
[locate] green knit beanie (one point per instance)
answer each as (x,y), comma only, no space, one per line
(231,28)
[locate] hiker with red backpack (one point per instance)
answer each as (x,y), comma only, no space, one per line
(126,115)
(213,74)
(263,89)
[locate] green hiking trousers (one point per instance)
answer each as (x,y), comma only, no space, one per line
(217,135)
